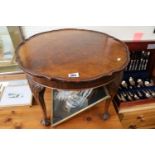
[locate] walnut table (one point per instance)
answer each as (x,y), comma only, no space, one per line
(49,58)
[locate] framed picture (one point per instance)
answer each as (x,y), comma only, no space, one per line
(67,104)
(15,93)
(10,38)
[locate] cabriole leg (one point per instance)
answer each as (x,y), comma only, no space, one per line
(38,93)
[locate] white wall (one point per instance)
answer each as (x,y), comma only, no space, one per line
(120,32)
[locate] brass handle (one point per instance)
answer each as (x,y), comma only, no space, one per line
(132,126)
(141,118)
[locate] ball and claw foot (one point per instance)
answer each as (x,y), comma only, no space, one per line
(46,122)
(106,116)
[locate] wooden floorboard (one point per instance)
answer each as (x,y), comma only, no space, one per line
(29,117)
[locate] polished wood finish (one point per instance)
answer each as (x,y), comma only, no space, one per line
(48,58)
(38,93)
(112,88)
(138,104)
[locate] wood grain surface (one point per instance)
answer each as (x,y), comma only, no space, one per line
(140,119)
(29,117)
(50,57)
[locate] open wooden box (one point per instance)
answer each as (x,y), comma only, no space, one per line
(146,74)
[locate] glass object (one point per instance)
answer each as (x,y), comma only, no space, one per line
(67,104)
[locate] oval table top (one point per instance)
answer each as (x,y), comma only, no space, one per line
(72,55)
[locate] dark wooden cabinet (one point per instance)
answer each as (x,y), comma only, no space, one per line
(135,101)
